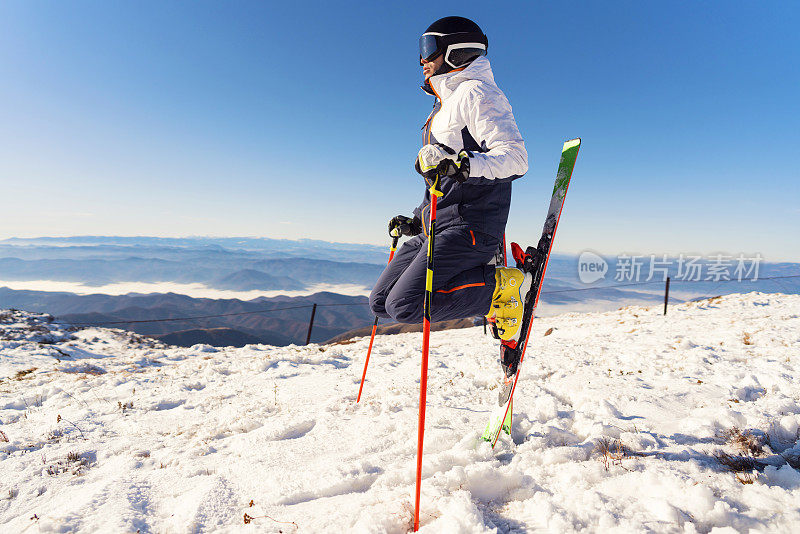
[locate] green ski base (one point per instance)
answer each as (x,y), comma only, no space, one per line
(491,428)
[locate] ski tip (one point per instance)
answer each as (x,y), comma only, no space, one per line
(571,144)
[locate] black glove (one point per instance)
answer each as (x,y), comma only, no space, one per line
(439,159)
(457,170)
(402,225)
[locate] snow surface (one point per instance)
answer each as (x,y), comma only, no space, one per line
(112,432)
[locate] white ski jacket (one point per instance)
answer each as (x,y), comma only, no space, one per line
(471,99)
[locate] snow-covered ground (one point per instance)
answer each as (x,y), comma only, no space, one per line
(110,432)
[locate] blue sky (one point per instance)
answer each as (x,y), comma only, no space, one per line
(302,119)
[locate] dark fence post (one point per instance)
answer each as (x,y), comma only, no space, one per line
(311,323)
(666,296)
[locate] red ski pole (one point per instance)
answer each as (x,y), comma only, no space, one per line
(426,334)
(395,238)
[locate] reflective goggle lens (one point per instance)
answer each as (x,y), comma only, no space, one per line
(428,47)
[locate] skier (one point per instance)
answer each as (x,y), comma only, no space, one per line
(472,142)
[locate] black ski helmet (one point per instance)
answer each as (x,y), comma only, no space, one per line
(458,39)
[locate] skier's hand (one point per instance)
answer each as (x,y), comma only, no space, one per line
(402,225)
(442,160)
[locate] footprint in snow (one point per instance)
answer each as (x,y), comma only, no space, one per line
(359,484)
(295,431)
(169,404)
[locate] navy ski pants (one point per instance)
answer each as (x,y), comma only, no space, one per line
(463,280)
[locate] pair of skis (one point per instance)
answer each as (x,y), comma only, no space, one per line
(533,261)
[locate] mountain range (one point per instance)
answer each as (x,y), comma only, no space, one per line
(225,273)
(274,321)
(245,267)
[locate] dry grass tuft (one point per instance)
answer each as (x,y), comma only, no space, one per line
(742,465)
(745,441)
(23,373)
(746,339)
(612,451)
(74,464)
(737,463)
(54,435)
(249,519)
(3,437)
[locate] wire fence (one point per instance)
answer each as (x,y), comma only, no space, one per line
(314,306)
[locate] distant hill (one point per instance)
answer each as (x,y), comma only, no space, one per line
(225,271)
(247,264)
(250,279)
(277,320)
(67,247)
(219,337)
(314,271)
(262,265)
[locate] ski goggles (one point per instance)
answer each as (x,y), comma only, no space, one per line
(432,44)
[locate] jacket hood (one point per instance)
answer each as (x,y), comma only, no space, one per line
(443,85)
